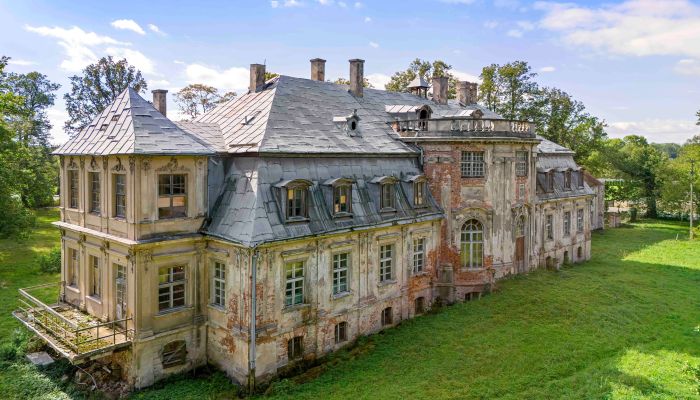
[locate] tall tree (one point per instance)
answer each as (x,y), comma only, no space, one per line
(400,80)
(99,85)
(509,89)
(196,99)
(38,94)
(489,89)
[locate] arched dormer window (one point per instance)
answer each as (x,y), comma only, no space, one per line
(349,123)
(472,244)
(295,195)
(387,192)
(342,196)
(423,114)
(567,180)
(550,181)
(420,190)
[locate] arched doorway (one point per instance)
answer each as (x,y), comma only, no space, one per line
(520,244)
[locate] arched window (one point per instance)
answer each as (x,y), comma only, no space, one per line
(472,250)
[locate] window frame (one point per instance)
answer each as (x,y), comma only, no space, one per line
(340,274)
(387,318)
(341,332)
(295,348)
(218,284)
(567,223)
(387,196)
(419,305)
(419,193)
(73,268)
(549,226)
(95,276)
(550,181)
(472,244)
(171,196)
(473,164)
(172,287)
(418,255)
(568,185)
(294,283)
(95,180)
(73,189)
(116,177)
(521,164)
(386,262)
(167,354)
(338,195)
(290,208)
(579,220)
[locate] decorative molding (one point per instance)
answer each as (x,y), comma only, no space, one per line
(146,164)
(172,166)
(105,163)
(82,163)
(105,246)
(200,162)
(72,164)
(93,164)
(119,167)
(132,164)
(62,161)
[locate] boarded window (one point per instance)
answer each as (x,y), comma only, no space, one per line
(418,255)
(73,188)
(387,316)
(94,192)
(172,196)
(171,287)
(174,354)
(472,164)
(386,259)
(521,163)
(120,195)
(219,284)
(295,347)
(341,332)
(294,288)
(472,244)
(340,272)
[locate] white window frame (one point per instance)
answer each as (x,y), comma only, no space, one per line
(340,272)
(418,255)
(73,188)
(472,164)
(387,196)
(579,220)
(472,244)
(567,223)
(218,284)
(294,283)
(95,276)
(118,195)
(521,163)
(172,287)
(95,206)
(386,262)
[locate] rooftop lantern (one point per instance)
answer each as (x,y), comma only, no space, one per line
(419,87)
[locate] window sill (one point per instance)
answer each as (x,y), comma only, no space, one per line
(419,273)
(95,213)
(341,295)
(297,219)
(73,288)
(479,269)
(341,215)
(217,307)
(387,210)
(386,282)
(172,311)
(172,218)
(94,299)
(295,307)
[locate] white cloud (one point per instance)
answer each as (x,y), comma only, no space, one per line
(129,25)
(368,19)
(548,69)
(77,44)
(158,83)
(378,80)
(154,28)
(526,25)
(516,33)
(178,62)
(325,2)
(135,58)
(22,63)
(374,44)
(285,3)
(235,78)
(359,4)
(466,76)
(58,116)
(342,4)
(656,130)
(688,67)
(274,4)
(631,28)
(512,4)
(490,24)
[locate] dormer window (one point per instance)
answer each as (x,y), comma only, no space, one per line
(387,196)
(341,199)
(349,123)
(550,181)
(567,180)
(580,179)
(419,193)
(295,195)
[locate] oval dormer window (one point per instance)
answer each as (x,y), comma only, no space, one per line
(353,125)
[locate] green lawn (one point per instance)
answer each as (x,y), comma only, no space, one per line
(625,325)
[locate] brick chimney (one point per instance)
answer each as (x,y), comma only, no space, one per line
(466,93)
(257,77)
(440,89)
(357,77)
(318,69)
(159,101)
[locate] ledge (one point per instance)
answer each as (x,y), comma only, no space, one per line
(341,295)
(386,283)
(295,307)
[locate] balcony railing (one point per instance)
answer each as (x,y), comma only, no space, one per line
(74,334)
(461,125)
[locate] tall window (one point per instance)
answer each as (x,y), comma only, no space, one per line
(472,164)
(120,195)
(73,267)
(219,285)
(521,191)
(567,223)
(171,288)
(591,208)
(340,272)
(342,199)
(295,347)
(472,244)
(172,196)
(567,180)
(580,179)
(73,186)
(387,200)
(341,332)
(579,220)
(419,193)
(294,288)
(549,227)
(95,287)
(296,202)
(521,163)
(550,181)
(418,255)
(386,259)
(387,316)
(94,192)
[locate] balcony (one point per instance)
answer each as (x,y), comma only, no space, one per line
(463,127)
(74,334)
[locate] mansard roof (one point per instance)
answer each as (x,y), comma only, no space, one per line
(131,125)
(295,115)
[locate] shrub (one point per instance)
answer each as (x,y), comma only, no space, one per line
(51,261)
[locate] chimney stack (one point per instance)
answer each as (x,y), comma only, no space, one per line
(357,77)
(257,77)
(466,93)
(159,101)
(440,89)
(318,69)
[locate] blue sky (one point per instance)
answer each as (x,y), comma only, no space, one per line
(635,64)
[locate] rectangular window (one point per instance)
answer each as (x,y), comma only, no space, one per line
(549,227)
(521,163)
(386,258)
(387,200)
(387,316)
(295,347)
(73,267)
(174,353)
(219,285)
(472,164)
(340,272)
(120,195)
(94,192)
(296,202)
(419,305)
(521,192)
(341,332)
(567,223)
(341,199)
(550,181)
(419,193)
(171,288)
(172,196)
(73,187)
(579,220)
(294,289)
(95,287)
(580,179)
(418,255)
(567,180)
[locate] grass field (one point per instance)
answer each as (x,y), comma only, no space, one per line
(625,325)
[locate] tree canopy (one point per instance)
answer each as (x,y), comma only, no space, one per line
(196,99)
(426,69)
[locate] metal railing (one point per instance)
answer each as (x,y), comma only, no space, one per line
(80,337)
(463,125)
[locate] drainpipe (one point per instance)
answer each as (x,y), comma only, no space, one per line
(251,335)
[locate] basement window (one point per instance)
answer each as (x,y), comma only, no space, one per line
(174,354)
(295,348)
(341,332)
(419,305)
(387,316)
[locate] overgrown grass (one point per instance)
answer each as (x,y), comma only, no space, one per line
(625,325)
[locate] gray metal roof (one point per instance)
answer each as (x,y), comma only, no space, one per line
(131,125)
(418,82)
(549,147)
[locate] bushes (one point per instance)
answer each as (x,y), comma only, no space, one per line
(51,261)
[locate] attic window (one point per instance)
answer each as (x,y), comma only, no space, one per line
(295,197)
(249,118)
(348,123)
(115,117)
(103,127)
(353,125)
